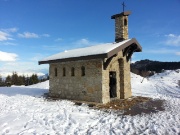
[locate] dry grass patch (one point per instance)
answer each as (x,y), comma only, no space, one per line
(135,105)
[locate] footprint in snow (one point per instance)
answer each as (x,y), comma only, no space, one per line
(6,130)
(4,125)
(31,131)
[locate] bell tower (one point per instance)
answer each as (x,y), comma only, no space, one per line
(121,25)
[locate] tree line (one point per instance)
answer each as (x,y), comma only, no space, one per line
(16,79)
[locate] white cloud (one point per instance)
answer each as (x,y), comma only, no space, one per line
(28,35)
(45,35)
(133,58)
(58,39)
(31,35)
(86,42)
(8,43)
(173,40)
(178,53)
(37,57)
(133,61)
(161,51)
(4,56)
(10,30)
(170,35)
(70,45)
(22,68)
(52,47)
(4,36)
(83,41)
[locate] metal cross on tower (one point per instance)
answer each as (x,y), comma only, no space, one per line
(123,6)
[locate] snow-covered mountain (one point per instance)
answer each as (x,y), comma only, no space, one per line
(43,77)
(23,111)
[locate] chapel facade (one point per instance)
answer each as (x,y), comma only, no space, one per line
(95,74)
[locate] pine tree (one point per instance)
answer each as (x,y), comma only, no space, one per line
(14,78)
(1,81)
(8,81)
(34,79)
(20,81)
(24,79)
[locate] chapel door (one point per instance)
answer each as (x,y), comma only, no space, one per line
(112,84)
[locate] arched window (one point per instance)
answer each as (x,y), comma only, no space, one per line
(125,22)
(72,71)
(82,71)
(55,71)
(64,72)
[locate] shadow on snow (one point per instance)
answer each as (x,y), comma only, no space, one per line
(12,91)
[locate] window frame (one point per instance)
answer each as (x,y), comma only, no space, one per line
(125,22)
(83,71)
(72,71)
(64,71)
(55,72)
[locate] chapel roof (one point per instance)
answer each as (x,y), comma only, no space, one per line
(92,52)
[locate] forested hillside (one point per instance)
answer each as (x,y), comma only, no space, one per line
(149,67)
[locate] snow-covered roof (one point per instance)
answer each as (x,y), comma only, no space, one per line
(103,50)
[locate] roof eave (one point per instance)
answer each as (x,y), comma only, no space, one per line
(98,56)
(128,43)
(139,48)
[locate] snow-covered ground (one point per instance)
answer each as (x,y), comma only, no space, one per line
(23,111)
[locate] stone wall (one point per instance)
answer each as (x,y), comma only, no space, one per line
(77,87)
(94,86)
(123,79)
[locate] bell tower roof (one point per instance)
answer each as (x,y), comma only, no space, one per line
(126,13)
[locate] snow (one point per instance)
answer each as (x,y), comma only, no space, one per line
(23,111)
(165,83)
(92,50)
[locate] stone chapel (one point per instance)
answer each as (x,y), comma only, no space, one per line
(98,73)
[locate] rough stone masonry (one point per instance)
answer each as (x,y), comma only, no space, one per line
(94,85)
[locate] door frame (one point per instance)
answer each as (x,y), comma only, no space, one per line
(112,84)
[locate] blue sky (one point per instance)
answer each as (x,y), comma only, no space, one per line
(33,29)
